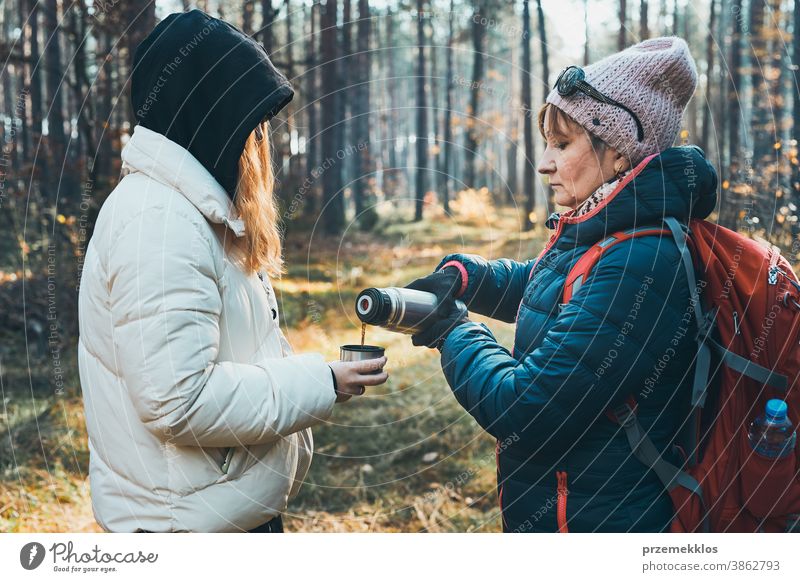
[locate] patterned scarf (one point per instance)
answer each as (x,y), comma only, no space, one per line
(598,195)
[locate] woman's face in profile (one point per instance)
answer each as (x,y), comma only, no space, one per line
(575,170)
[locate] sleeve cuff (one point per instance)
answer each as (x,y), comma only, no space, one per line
(454,337)
(308,381)
(464,275)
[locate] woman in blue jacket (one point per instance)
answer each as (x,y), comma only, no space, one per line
(563,463)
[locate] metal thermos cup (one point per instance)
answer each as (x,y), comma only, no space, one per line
(399,309)
(357,353)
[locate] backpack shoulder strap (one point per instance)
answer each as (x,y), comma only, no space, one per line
(705,323)
(583,266)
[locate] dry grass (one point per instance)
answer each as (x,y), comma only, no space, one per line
(45,485)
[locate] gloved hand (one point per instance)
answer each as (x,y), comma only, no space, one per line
(449,317)
(444,283)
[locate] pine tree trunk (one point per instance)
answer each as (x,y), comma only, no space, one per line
(644,25)
(82,87)
(287,188)
(512,135)
(551,201)
(248,8)
(35,68)
(434,156)
(760,126)
(140,19)
(105,93)
(57,137)
(268,15)
(9,137)
(311,190)
(448,115)
(544,50)
(362,187)
(24,89)
(587,31)
(692,105)
(526,82)
(422,117)
(730,207)
(675,19)
(391,177)
(722,32)
(478,66)
(333,207)
(707,108)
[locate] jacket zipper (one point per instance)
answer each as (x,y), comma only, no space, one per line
(561,507)
(226,462)
(500,483)
(547,247)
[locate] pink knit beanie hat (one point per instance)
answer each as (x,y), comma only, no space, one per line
(655,79)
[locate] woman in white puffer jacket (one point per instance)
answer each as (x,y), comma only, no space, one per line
(197,411)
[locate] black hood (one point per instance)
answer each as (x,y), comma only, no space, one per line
(205,85)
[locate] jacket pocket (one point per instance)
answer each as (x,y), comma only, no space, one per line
(238,460)
(192,468)
(227,453)
(219,458)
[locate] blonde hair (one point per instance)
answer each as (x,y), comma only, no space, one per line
(257,206)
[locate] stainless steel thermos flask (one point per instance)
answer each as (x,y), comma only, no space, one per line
(399,309)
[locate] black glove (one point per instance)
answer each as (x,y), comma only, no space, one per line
(444,284)
(449,317)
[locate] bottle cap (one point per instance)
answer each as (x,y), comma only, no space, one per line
(776,409)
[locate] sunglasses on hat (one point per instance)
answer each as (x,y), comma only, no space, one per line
(572,80)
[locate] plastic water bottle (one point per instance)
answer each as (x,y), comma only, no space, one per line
(772,434)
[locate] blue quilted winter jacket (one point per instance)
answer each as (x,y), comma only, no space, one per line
(626,332)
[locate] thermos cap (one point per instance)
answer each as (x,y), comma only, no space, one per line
(373,306)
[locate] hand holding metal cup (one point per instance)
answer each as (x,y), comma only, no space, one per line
(358,367)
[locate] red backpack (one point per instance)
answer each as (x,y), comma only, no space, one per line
(747,309)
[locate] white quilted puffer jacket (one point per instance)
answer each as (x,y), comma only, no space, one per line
(198,413)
